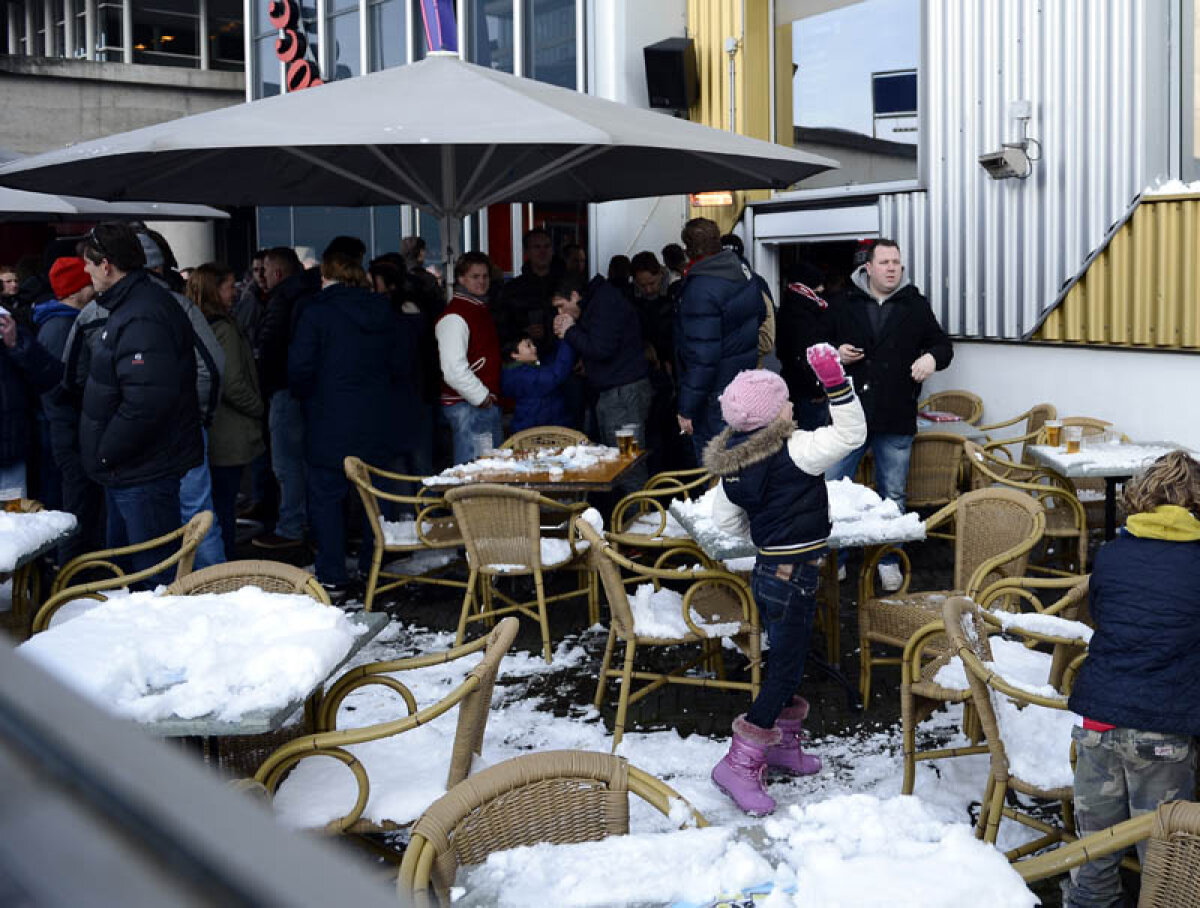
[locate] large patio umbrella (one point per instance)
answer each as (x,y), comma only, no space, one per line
(18,205)
(444,135)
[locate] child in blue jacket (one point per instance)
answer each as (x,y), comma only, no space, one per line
(537,389)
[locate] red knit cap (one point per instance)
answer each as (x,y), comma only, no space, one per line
(754,398)
(67,276)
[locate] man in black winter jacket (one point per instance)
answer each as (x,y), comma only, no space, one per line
(139,430)
(890,342)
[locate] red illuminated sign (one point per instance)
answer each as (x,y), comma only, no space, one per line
(291,47)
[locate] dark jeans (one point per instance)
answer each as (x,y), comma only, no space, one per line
(786,608)
(225,484)
(142,512)
(327,491)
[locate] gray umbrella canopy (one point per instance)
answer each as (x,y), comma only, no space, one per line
(443,135)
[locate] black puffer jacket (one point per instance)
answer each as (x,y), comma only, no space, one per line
(25,370)
(883,378)
(278,325)
(141,418)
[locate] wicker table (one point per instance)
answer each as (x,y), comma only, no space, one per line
(1114,462)
(26,580)
(598,478)
(954,427)
(725,547)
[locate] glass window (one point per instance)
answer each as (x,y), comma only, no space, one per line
(388,40)
(315,226)
(347,60)
(490,33)
(108,31)
(308,24)
(386,219)
(226,41)
(166,32)
(852,95)
(550,50)
(266,68)
(274,227)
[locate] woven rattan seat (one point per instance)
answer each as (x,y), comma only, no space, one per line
(472,697)
(1034,418)
(996,528)
(716,596)
(270,576)
(537,437)
(961,403)
(1171,874)
(993,696)
(934,470)
(558,797)
(1066,517)
(502,529)
(433,527)
(188,536)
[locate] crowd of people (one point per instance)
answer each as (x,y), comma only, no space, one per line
(136,396)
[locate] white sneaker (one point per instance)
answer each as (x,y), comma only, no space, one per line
(890,577)
(841,572)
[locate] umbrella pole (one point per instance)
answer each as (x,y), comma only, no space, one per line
(451,223)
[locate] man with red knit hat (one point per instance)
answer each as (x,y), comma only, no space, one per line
(469,354)
(773,489)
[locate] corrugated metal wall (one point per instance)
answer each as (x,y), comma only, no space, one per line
(993,255)
(1141,290)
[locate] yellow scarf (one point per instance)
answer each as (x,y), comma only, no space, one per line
(1167,521)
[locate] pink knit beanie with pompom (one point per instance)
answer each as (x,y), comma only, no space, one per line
(753,399)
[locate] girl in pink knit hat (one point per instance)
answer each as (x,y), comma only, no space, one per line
(773,489)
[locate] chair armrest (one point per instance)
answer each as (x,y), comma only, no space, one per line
(88,562)
(914,650)
(866,581)
(1023,587)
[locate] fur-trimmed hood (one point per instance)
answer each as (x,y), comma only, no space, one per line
(722,460)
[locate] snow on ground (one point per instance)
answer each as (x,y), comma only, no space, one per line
(147,656)
(409,772)
(21,534)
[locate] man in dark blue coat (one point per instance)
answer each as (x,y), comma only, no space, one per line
(352,366)
(25,369)
(716,329)
(139,430)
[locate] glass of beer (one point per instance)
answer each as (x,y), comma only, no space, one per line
(1073,435)
(10,499)
(627,441)
(1054,432)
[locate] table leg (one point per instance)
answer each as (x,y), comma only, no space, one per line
(831,601)
(1110,506)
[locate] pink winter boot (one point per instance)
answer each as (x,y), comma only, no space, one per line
(741,772)
(788,755)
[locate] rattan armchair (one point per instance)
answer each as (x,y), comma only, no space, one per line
(269,576)
(1066,517)
(642,519)
(560,796)
(502,529)
(434,529)
(1034,418)
(1171,872)
(716,596)
(536,437)
(961,403)
(1003,707)
(472,697)
(995,531)
(61,592)
(924,678)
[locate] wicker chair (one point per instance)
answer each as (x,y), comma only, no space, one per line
(538,437)
(26,580)
(560,796)
(717,596)
(924,685)
(433,529)
(1035,417)
(1171,873)
(502,529)
(1000,705)
(270,576)
(641,520)
(473,697)
(1066,517)
(996,529)
(961,403)
(188,536)
(934,470)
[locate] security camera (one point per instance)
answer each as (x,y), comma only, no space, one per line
(1009,161)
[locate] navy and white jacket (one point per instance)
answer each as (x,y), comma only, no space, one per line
(773,479)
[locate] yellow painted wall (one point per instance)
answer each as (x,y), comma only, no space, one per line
(1143,290)
(710,22)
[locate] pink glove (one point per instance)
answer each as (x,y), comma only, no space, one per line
(826,364)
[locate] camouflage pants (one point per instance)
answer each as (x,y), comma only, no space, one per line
(1121,774)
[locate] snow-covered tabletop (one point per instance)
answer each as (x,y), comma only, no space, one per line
(1110,459)
(24,537)
(845,850)
(217,664)
(577,466)
(860,518)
